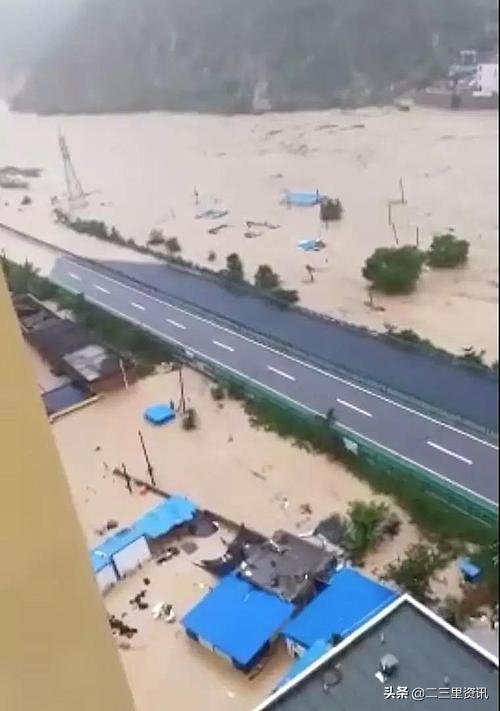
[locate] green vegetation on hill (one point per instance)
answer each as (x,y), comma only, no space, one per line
(239,56)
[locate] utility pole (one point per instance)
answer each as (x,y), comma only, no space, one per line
(402,191)
(127,478)
(182,401)
(146,457)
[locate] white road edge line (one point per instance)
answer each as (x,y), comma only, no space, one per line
(75,276)
(354,407)
(137,306)
(449,452)
(300,405)
(291,358)
(280,372)
(176,324)
(223,345)
(101,288)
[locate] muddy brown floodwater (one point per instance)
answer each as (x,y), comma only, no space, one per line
(142,171)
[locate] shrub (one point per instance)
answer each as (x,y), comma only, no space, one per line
(190,419)
(472,357)
(288,296)
(234,267)
(447,251)
(172,245)
(394,270)
(26,200)
(156,237)
(212,256)
(330,209)
(266,278)
(217,393)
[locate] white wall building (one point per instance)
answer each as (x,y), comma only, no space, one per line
(485,82)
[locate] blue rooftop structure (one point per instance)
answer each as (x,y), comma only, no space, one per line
(314,652)
(303,199)
(159,414)
(238,619)
(349,600)
(155,523)
(470,571)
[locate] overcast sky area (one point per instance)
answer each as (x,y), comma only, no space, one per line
(27,25)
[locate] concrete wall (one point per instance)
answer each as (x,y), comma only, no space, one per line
(443,100)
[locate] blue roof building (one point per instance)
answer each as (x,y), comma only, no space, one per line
(349,600)
(237,620)
(127,548)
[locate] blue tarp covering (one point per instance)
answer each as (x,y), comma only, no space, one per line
(303,199)
(317,650)
(309,245)
(63,397)
(157,522)
(237,618)
(349,600)
(159,414)
(469,570)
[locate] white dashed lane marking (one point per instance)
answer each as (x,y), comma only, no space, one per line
(280,372)
(176,324)
(449,452)
(137,306)
(101,288)
(354,407)
(223,345)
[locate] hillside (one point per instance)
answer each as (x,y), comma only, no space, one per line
(236,55)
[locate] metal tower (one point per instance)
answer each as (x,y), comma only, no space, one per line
(76,196)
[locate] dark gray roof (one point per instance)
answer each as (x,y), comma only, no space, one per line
(286,565)
(429,656)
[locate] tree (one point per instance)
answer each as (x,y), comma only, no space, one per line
(310,270)
(172,245)
(330,209)
(394,270)
(266,278)
(366,526)
(447,251)
(413,573)
(234,267)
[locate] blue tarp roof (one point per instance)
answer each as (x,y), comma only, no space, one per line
(62,397)
(314,652)
(469,569)
(303,199)
(237,618)
(159,521)
(159,414)
(348,601)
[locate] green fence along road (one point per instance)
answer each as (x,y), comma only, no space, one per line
(389,470)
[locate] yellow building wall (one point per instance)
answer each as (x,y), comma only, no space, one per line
(56,648)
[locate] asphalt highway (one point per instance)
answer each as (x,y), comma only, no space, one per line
(329,343)
(466,460)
